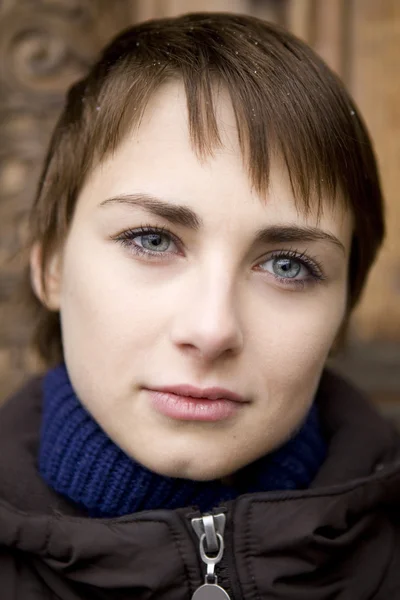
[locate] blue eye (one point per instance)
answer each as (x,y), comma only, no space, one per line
(148,241)
(287,267)
(293,268)
(155,242)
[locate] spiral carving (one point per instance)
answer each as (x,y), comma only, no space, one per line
(44,48)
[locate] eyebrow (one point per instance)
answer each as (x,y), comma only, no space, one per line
(186,217)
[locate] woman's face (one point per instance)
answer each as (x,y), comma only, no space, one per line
(209,301)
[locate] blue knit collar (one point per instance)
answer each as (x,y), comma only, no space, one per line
(78,460)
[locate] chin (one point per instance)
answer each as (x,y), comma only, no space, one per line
(188,469)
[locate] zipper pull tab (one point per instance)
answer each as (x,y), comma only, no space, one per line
(210,531)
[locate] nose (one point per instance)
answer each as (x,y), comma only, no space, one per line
(207,322)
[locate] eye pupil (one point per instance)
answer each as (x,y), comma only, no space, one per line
(155,241)
(287,267)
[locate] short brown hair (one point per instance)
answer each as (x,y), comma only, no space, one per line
(284,97)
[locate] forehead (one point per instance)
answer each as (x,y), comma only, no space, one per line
(158,158)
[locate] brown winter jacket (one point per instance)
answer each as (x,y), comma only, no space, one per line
(339,540)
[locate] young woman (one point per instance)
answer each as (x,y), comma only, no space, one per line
(205,222)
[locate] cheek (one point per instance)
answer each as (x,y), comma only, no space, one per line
(293,344)
(304,318)
(104,308)
(296,336)
(108,324)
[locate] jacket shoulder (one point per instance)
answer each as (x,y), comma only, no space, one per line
(20,485)
(390,585)
(19,580)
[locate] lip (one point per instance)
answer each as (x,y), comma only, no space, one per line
(210,393)
(188,403)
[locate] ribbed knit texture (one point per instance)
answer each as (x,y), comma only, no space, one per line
(78,460)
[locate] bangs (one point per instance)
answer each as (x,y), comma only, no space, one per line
(286,103)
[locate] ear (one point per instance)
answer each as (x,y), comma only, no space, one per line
(46,285)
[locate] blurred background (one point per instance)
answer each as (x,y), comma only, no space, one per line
(45,45)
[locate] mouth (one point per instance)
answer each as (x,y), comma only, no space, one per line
(188,403)
(209,393)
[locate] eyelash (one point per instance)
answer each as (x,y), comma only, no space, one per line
(313,266)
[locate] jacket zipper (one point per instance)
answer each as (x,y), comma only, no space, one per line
(210,532)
